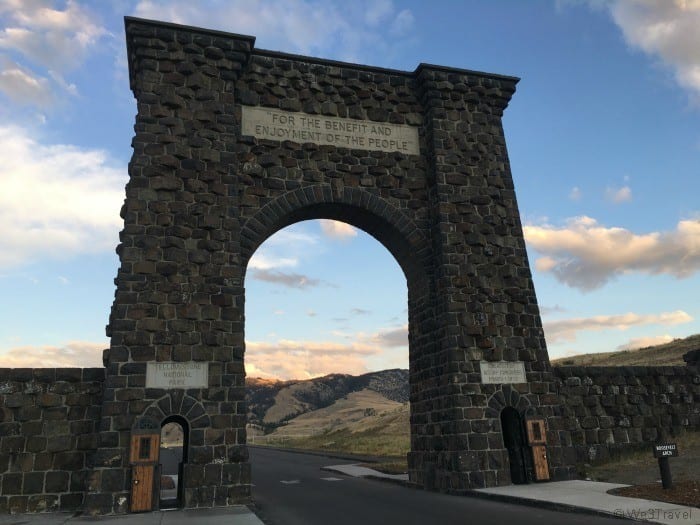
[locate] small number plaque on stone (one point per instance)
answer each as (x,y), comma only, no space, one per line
(168,374)
(493,372)
(665,450)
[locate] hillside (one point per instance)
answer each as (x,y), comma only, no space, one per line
(369,414)
(273,404)
(659,355)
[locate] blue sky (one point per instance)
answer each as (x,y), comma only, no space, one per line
(603,135)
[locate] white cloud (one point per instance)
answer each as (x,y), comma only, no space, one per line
(284,249)
(391,337)
(294,359)
(53,38)
(575,194)
(618,195)
(291,280)
(346,31)
(378,11)
(402,24)
(262,261)
(643,342)
(81,354)
(667,30)
(337,229)
(549,310)
(23,86)
(57,201)
(585,255)
(567,329)
(290,359)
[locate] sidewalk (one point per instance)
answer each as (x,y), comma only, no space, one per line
(239,514)
(583,496)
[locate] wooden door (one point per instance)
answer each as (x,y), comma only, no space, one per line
(142,488)
(539,458)
(144,461)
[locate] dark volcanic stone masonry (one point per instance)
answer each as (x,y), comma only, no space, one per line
(48,433)
(202,197)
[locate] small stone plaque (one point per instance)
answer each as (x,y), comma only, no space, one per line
(503,372)
(275,124)
(168,374)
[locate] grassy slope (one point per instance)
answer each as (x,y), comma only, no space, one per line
(665,354)
(363,422)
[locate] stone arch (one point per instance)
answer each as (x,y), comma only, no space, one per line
(445,208)
(373,214)
(507,396)
(177,403)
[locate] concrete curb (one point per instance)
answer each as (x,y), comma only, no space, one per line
(543,504)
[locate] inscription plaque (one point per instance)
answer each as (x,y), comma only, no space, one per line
(167,374)
(503,372)
(275,124)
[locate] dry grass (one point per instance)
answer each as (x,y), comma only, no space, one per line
(370,442)
(660,355)
(639,467)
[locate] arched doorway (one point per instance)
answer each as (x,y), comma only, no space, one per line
(174,434)
(514,442)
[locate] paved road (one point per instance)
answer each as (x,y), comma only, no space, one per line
(291,489)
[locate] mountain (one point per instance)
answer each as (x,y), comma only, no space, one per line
(659,355)
(272,404)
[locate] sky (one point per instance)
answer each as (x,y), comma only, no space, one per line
(603,135)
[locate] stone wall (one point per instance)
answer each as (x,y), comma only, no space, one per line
(607,409)
(48,420)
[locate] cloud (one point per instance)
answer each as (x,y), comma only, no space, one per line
(291,280)
(378,12)
(346,30)
(52,38)
(586,255)
(402,24)
(666,30)
(81,354)
(643,342)
(289,359)
(359,311)
(262,261)
(392,337)
(337,229)
(24,87)
(57,201)
(618,195)
(567,329)
(548,310)
(575,193)
(284,249)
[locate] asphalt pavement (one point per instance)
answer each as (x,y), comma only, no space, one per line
(292,489)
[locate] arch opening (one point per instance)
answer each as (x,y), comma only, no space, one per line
(363,251)
(174,444)
(514,442)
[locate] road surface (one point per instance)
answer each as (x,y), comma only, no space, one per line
(291,489)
